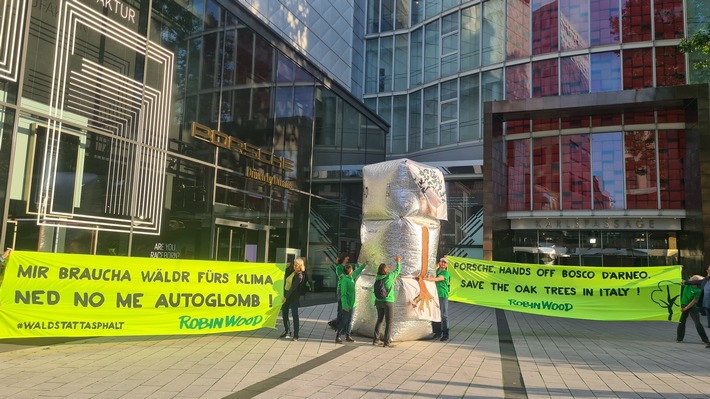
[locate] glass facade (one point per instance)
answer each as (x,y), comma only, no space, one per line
(535,44)
(178,129)
(603,164)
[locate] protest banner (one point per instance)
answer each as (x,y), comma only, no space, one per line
(579,292)
(66,295)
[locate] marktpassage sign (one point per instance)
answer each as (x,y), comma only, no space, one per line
(65,295)
(592,293)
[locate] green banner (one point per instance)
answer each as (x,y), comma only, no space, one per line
(63,295)
(578,292)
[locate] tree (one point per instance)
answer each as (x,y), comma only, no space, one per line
(698,46)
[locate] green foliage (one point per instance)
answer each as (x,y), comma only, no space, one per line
(698,44)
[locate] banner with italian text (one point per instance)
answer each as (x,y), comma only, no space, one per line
(578,292)
(66,295)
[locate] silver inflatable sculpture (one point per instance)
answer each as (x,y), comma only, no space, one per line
(403,202)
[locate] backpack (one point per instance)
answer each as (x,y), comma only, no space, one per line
(381,291)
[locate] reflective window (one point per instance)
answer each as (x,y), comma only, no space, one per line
(576,172)
(493,32)
(604,22)
(492,85)
(635,20)
(401,62)
(518,159)
(398,131)
(371,72)
(470,38)
(432,51)
(546,173)
(449,44)
(373,16)
(417,7)
(671,154)
(670,66)
(640,156)
(606,72)
(415,121)
(638,73)
(384,108)
(574,74)
(518,42)
(544,78)
(385,68)
(668,19)
(574,28)
(416,57)
(433,7)
(470,110)
(608,171)
(449,112)
(387,23)
(517,82)
(402,20)
(430,123)
(544,27)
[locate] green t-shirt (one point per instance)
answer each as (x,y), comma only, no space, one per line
(689,292)
(442,287)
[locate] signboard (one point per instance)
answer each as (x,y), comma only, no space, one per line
(64,295)
(578,292)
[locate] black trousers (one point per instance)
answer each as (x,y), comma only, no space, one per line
(694,314)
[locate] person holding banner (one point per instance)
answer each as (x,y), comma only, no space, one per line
(689,298)
(4,256)
(442,280)
(291,295)
(385,306)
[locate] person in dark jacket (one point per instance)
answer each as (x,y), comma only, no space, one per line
(385,306)
(291,294)
(689,298)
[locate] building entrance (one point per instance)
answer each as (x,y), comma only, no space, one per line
(240,241)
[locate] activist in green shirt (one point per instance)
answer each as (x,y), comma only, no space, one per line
(442,280)
(385,305)
(688,299)
(339,272)
(346,286)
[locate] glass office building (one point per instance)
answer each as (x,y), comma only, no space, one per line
(174,128)
(582,117)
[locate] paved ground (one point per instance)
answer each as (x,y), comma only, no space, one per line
(492,354)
